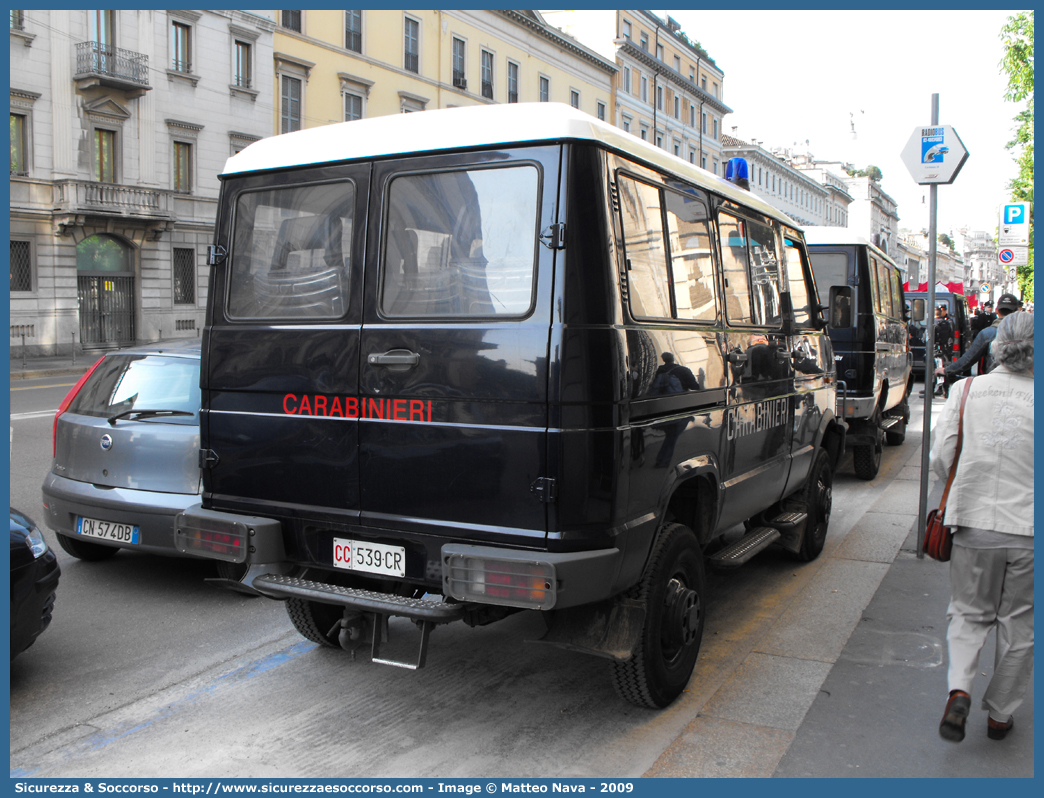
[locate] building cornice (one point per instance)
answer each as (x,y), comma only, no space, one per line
(630,49)
(558,39)
(682,41)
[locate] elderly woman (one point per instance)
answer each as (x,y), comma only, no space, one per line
(991,506)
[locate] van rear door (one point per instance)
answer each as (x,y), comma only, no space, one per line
(282,363)
(454,357)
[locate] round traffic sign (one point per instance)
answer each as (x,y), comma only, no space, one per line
(1006,256)
(985,288)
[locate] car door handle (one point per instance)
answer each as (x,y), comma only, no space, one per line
(394,357)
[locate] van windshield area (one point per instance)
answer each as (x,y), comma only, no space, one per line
(291,253)
(461,244)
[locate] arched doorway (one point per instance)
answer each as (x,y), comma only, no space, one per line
(105,286)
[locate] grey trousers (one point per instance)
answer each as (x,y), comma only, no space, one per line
(992,588)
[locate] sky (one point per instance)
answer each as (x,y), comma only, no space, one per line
(792,76)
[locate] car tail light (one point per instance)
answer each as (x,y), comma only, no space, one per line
(215,538)
(68,401)
(512,583)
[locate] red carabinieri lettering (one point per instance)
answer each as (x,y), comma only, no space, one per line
(353,407)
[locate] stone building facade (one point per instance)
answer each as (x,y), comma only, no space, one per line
(121,121)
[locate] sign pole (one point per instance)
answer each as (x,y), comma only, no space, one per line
(929,351)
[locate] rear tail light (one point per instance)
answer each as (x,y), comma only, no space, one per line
(216,539)
(512,583)
(68,401)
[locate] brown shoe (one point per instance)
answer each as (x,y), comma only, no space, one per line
(951,728)
(996,730)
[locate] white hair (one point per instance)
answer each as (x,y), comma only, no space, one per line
(1013,345)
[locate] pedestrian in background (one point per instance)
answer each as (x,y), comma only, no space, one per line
(991,506)
(979,351)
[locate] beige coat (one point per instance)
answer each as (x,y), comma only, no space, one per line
(993,488)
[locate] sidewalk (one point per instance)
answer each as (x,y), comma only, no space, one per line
(35,367)
(851,681)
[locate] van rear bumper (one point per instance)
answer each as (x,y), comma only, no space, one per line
(471,574)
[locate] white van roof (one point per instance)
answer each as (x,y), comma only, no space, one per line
(463,128)
(840,236)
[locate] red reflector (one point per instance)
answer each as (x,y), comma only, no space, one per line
(68,401)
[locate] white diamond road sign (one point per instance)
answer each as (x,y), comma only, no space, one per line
(934,154)
(1013,229)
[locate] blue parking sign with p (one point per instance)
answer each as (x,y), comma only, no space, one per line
(1014,214)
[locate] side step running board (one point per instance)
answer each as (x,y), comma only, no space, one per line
(424,612)
(746,547)
(789,520)
(888,423)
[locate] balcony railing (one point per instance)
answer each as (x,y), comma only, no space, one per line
(112,62)
(80,196)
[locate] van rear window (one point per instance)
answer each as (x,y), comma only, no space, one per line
(461,244)
(291,253)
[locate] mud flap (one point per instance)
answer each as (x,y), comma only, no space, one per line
(609,629)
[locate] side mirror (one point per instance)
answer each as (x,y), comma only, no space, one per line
(917,310)
(840,306)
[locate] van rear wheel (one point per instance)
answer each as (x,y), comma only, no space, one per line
(867,458)
(673,589)
(315,621)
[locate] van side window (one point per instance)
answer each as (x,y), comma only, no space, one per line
(645,250)
(798,285)
(291,252)
(884,289)
(692,261)
(897,294)
(461,244)
(751,271)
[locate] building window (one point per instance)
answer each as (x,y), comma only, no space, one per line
(545,89)
(677,148)
(645,133)
(242,74)
(645,89)
(487,74)
(290,106)
(715,166)
(703,123)
(17,21)
(715,85)
(184,276)
(180,39)
(714,135)
(677,107)
(659,98)
(692,116)
(677,64)
(352,107)
(411,45)
(574,98)
(291,20)
(182,167)
(627,79)
(105,155)
(601,111)
(459,65)
(645,41)
(692,156)
(512,82)
(659,52)
(703,161)
(627,124)
(626,28)
(19,144)
(659,141)
(353,31)
(703,82)
(21,266)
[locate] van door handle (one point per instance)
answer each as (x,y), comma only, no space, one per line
(394,357)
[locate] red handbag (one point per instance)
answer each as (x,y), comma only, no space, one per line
(938,538)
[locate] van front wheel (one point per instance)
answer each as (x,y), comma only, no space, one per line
(673,590)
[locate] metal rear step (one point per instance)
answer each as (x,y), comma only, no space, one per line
(424,612)
(736,554)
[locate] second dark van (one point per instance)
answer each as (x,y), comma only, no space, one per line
(957,307)
(874,363)
(475,361)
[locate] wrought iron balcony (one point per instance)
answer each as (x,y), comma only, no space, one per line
(102,65)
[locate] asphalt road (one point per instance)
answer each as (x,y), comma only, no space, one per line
(147,671)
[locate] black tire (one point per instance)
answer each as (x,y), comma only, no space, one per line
(674,590)
(818,497)
(315,621)
(867,458)
(896,435)
(82,550)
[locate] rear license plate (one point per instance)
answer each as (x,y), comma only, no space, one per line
(108,530)
(370,558)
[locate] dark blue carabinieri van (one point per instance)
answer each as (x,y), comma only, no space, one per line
(475,361)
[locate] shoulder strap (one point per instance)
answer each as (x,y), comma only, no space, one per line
(960,443)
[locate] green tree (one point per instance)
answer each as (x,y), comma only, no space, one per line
(1017,63)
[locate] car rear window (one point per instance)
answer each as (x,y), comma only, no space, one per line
(142,382)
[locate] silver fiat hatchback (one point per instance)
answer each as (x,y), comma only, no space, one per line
(126,452)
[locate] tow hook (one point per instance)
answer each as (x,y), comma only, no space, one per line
(352,628)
